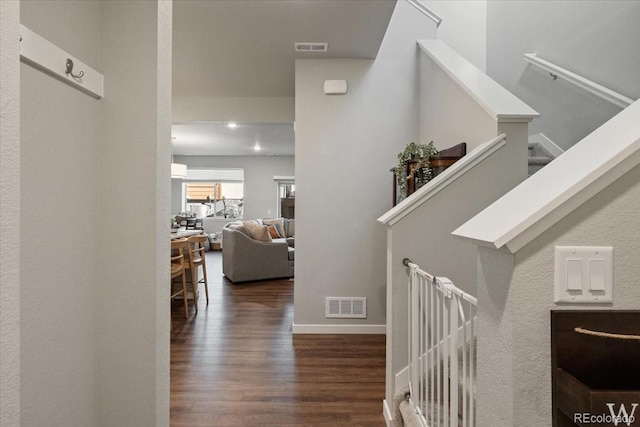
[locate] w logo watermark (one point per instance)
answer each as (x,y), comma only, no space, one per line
(622,416)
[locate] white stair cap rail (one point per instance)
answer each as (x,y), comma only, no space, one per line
(590,86)
(498,102)
(437,184)
(426,11)
(546,197)
(41,53)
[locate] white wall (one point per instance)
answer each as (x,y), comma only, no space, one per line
(233,109)
(448,115)
(9,215)
(516,296)
(463,27)
(259,187)
(596,39)
(345,146)
(59,135)
(94,342)
(132,310)
(176,195)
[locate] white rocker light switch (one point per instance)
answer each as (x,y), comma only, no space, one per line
(583,274)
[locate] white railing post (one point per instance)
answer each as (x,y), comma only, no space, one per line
(446,368)
(432,343)
(472,364)
(453,359)
(413,354)
(423,347)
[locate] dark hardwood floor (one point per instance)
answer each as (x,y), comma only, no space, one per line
(237,364)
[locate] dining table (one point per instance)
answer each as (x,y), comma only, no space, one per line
(180,233)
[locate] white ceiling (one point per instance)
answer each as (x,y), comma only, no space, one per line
(218,139)
(245,48)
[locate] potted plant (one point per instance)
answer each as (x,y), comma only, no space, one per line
(413,162)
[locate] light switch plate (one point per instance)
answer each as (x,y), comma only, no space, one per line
(583,274)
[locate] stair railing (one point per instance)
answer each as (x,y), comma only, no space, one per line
(426,11)
(590,86)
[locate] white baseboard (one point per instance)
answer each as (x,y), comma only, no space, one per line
(386,411)
(546,143)
(339,329)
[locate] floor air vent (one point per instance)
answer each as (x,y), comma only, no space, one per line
(346,307)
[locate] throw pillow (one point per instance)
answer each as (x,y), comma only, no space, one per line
(239,227)
(278,223)
(273,232)
(257,232)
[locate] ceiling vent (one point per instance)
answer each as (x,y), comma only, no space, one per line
(312,47)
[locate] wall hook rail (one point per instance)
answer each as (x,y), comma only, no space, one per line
(45,56)
(69,70)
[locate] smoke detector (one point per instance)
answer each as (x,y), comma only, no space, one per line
(311,47)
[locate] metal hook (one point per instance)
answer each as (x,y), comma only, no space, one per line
(554,76)
(70,70)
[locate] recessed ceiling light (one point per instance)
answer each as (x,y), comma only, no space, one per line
(257,147)
(232,125)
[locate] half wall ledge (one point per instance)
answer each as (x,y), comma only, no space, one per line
(498,102)
(545,198)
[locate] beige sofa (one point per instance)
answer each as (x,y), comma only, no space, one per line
(246,259)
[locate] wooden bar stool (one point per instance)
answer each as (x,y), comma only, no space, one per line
(195,245)
(178,266)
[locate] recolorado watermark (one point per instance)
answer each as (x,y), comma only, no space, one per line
(622,417)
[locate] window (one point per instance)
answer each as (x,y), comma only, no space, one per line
(214,192)
(201,192)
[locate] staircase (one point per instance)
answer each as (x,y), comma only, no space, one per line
(542,150)
(538,157)
(420,226)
